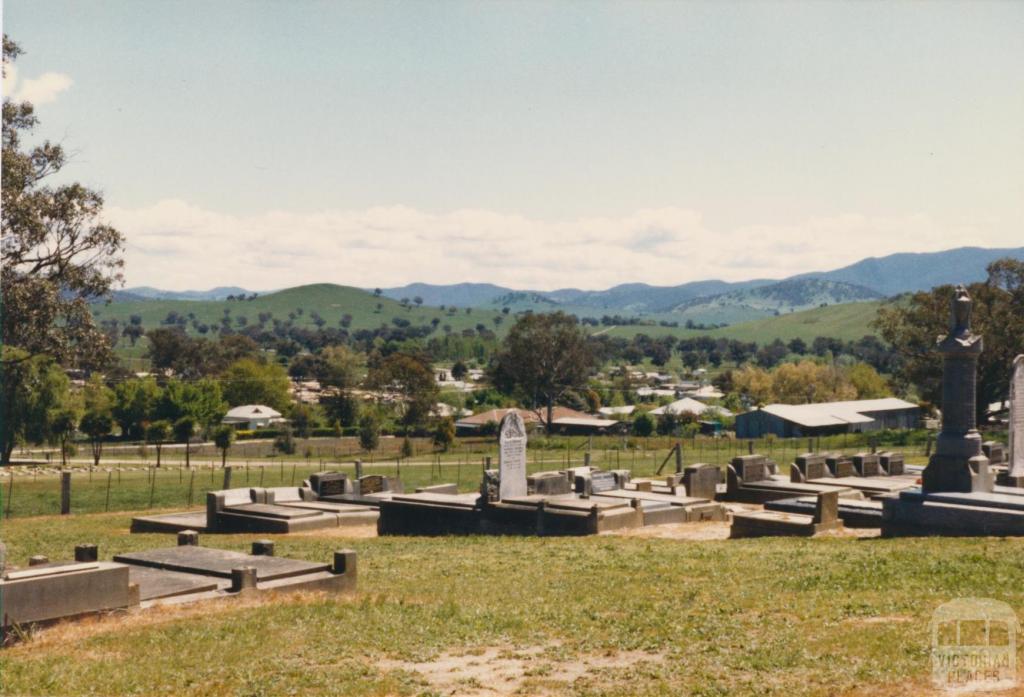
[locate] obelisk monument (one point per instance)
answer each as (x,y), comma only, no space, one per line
(959,443)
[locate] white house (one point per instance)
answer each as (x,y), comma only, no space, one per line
(692,406)
(252,416)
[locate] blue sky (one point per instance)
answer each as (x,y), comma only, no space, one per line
(542,144)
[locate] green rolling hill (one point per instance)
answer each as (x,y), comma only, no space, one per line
(331,302)
(848,322)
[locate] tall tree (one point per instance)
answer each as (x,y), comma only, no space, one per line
(249,381)
(58,253)
(543,357)
(158,433)
(223,437)
(97,425)
(412,377)
(184,429)
(33,390)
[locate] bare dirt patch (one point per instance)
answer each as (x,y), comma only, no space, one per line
(348,531)
(535,670)
(715,530)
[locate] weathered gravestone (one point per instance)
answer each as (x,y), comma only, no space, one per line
(840,465)
(892,463)
(867,464)
(512,456)
(329,483)
(808,467)
(751,468)
(701,481)
(372,484)
(1015,457)
(601,482)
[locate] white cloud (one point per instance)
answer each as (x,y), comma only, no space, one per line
(40,90)
(176,245)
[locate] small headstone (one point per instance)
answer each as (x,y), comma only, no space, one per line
(1015,464)
(188,538)
(751,468)
(372,484)
(359,469)
(892,463)
(701,481)
(601,482)
(329,483)
(840,465)
(549,484)
(38,559)
(867,464)
(812,466)
(512,456)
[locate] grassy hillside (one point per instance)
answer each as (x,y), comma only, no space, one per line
(330,301)
(848,322)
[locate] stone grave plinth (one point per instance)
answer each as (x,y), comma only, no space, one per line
(768,523)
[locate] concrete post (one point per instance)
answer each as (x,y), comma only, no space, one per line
(243,579)
(227,478)
(263,548)
(86,552)
(188,538)
(65,493)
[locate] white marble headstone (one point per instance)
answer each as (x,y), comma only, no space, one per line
(512,456)
(1016,434)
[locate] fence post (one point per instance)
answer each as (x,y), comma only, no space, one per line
(191,484)
(65,492)
(152,488)
(10,492)
(227,477)
(110,479)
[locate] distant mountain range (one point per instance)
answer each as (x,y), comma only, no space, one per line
(699,302)
(149,293)
(722,302)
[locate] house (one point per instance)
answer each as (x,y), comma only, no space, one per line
(563,420)
(858,416)
(616,411)
(252,416)
(692,406)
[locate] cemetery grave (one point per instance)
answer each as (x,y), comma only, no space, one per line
(577,501)
(326,500)
(825,518)
(48,591)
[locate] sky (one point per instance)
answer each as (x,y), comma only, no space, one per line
(538,145)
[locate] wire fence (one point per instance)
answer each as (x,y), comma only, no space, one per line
(121,484)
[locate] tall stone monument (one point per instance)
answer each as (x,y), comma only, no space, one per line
(1015,465)
(512,456)
(949,469)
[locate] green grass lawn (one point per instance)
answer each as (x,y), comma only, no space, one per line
(652,616)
